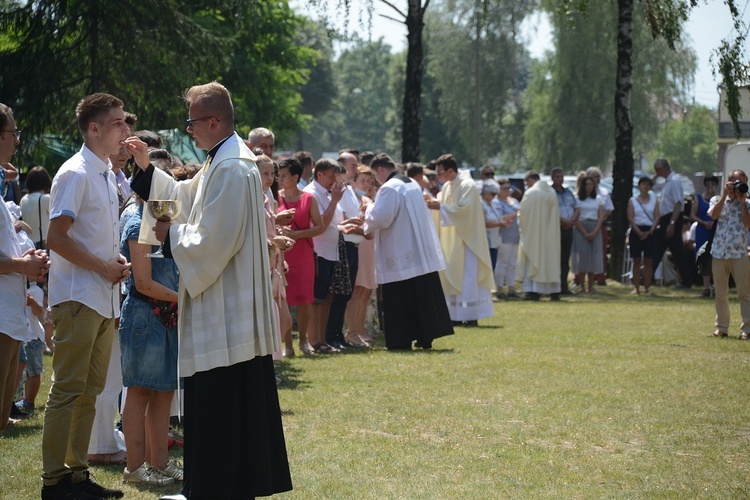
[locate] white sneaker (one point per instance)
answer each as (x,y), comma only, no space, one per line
(172,470)
(145,474)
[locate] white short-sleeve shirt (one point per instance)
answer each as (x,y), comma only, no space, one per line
(349,205)
(85,190)
(13,320)
(327,243)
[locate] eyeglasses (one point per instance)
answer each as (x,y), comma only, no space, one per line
(16,133)
(191,121)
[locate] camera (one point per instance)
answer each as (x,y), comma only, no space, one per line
(740,187)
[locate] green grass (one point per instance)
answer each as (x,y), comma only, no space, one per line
(607,395)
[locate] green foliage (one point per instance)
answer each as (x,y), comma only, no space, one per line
(576,127)
(689,143)
(478,66)
(362,114)
(54,52)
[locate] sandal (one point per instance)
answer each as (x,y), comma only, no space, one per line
(717,334)
(118,458)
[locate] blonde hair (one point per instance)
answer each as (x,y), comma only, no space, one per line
(213,96)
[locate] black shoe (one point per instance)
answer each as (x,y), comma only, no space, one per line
(555,297)
(457,323)
(472,323)
(423,345)
(347,345)
(568,292)
(17,413)
(97,490)
(65,490)
(531,296)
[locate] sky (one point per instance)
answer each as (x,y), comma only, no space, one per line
(708,25)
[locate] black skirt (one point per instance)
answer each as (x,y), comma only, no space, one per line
(234,439)
(415,309)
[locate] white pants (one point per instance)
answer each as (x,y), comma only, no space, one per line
(103,432)
(505,268)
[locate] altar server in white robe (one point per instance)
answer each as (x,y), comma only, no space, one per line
(468,279)
(226,324)
(407,260)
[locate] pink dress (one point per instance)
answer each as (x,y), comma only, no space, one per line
(301,258)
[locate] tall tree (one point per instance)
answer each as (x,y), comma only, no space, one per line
(412,15)
(53,52)
(362,113)
(665,19)
(479,65)
(689,141)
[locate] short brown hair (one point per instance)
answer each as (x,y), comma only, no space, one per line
(382,160)
(304,158)
(448,162)
(93,107)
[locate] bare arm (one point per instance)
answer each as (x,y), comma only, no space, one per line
(60,242)
(33,264)
(144,283)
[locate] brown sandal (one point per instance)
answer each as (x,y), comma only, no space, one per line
(717,334)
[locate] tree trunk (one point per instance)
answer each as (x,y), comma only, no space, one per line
(623,168)
(413,83)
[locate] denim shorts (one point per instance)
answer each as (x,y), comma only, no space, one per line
(148,348)
(323,276)
(34,357)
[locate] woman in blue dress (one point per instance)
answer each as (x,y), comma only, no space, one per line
(148,344)
(699,215)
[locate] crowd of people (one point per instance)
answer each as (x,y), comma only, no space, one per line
(169,286)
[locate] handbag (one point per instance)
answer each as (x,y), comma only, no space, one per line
(341,282)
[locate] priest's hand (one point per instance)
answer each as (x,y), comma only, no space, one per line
(139,150)
(161,229)
(433,205)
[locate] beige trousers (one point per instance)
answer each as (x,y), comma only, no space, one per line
(740,270)
(83,341)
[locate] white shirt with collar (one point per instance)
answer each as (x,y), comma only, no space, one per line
(671,193)
(84,189)
(349,205)
(13,320)
(327,243)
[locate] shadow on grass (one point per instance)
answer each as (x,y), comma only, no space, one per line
(24,429)
(291,376)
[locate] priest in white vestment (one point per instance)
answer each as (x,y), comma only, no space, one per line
(539,249)
(407,260)
(226,324)
(468,278)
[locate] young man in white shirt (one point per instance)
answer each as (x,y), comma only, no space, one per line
(86,269)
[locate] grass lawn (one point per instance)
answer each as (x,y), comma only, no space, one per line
(605,395)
